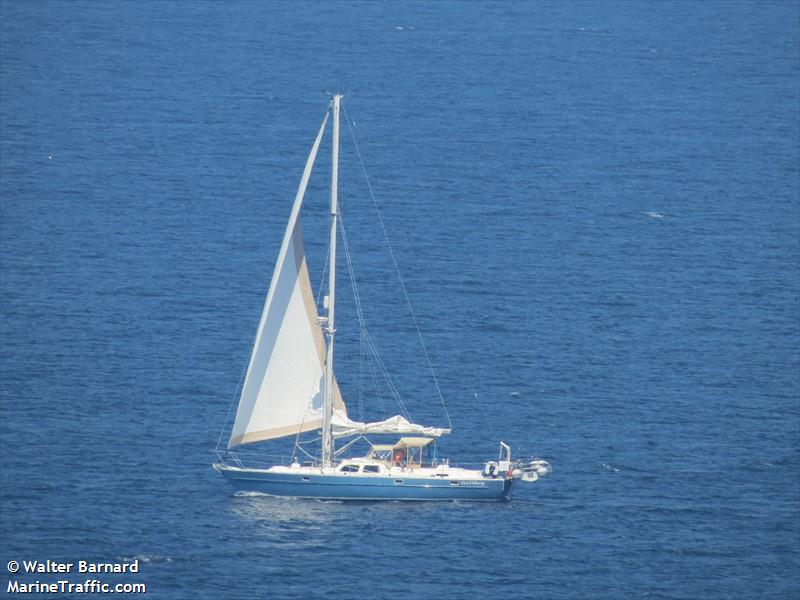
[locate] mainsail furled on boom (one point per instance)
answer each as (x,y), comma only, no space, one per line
(342,426)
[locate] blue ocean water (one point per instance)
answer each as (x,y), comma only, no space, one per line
(594,207)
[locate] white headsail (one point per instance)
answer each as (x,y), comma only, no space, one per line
(282,392)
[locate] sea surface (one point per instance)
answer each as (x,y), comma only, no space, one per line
(594,210)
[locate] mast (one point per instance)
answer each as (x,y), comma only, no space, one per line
(327,414)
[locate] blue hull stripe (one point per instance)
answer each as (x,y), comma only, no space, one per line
(329,487)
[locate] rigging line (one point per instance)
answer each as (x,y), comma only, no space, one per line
(375,387)
(356,296)
(344,448)
(237,392)
(304,451)
(385,372)
(230,410)
(396,267)
(297,438)
(361,377)
(359,312)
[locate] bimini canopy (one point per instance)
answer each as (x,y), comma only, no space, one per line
(412,442)
(382,447)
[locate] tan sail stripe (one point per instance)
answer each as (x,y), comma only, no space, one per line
(269,434)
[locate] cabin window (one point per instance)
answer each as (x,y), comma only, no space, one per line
(372,469)
(398,482)
(349,469)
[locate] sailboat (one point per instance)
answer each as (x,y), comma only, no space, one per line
(290,388)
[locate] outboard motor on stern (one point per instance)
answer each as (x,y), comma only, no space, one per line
(531,470)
